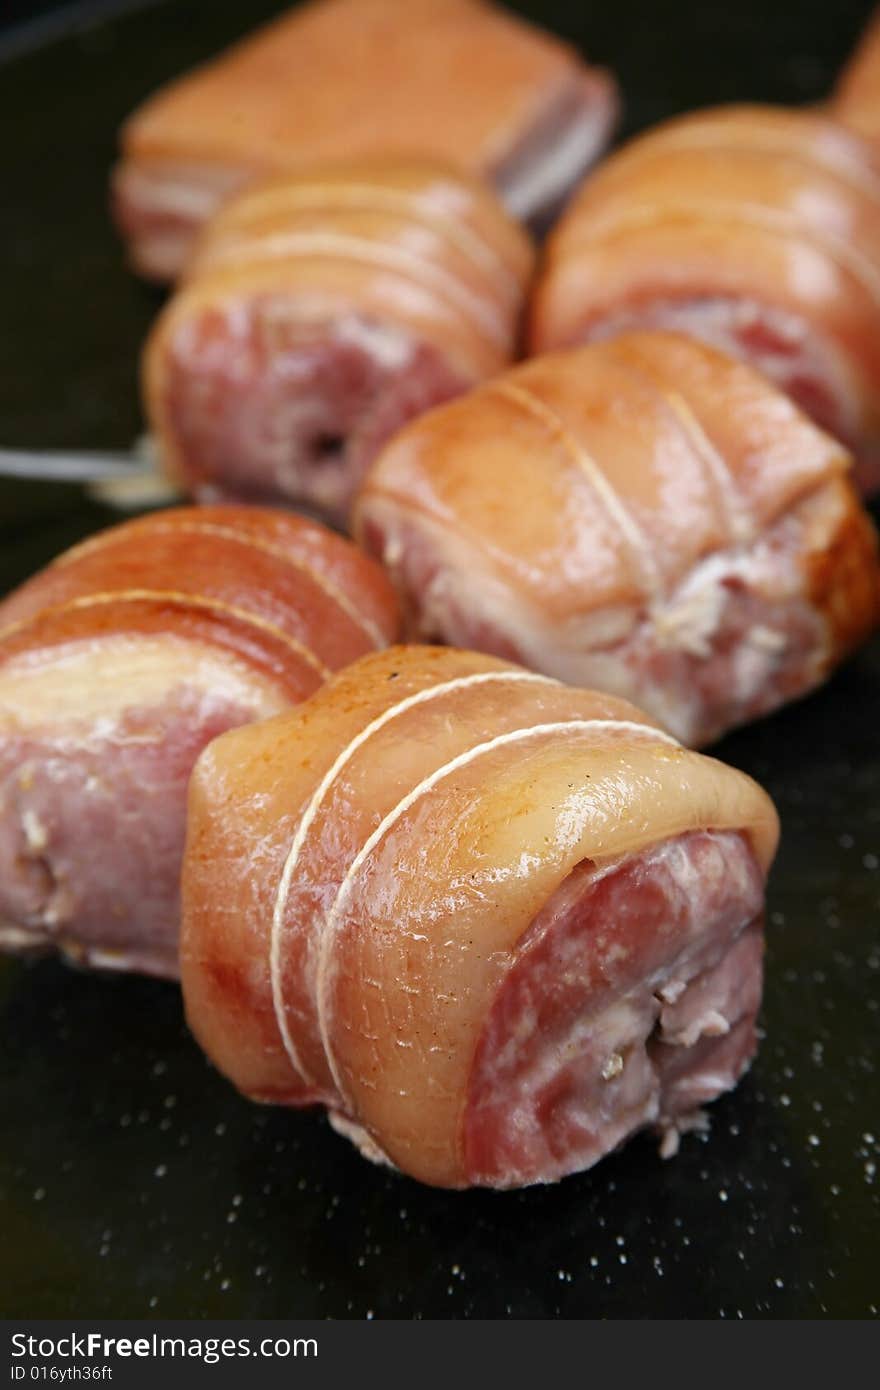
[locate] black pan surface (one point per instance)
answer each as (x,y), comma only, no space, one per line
(133,1181)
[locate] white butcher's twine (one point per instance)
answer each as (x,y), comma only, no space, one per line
(738,214)
(740,518)
(478,309)
(637,542)
(331,922)
(290,865)
(413,206)
(223,532)
(178,599)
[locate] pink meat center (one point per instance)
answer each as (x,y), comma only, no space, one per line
(92,835)
(263,407)
(630,1002)
(734,639)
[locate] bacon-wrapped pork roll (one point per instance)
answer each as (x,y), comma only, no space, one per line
(645,516)
(343,79)
(495,924)
(857,98)
(322,312)
(118,664)
(753,228)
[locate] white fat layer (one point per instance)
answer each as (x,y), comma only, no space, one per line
(550,172)
(592,649)
(384,344)
(32,940)
(722,322)
(13,938)
(192,193)
(85,681)
(360,1137)
(710,1024)
(179,200)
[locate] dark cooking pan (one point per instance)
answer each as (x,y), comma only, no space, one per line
(133,1181)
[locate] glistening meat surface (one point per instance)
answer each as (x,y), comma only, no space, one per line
(644,516)
(781,345)
(493,923)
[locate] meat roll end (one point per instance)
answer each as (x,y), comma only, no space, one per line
(257,408)
(93,804)
(630,1002)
